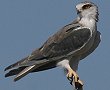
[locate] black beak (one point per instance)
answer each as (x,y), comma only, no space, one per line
(78,11)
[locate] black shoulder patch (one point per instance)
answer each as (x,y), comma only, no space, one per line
(73,41)
(80,37)
(70,41)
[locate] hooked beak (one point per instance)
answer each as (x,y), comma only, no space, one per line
(78,11)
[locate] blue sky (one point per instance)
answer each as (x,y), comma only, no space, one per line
(26,24)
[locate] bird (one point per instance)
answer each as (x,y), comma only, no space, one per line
(66,48)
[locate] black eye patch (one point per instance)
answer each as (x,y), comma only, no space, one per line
(86,6)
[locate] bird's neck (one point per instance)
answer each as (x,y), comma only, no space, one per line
(88,22)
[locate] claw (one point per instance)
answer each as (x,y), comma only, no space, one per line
(70,78)
(73,75)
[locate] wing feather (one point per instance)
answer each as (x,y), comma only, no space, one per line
(68,41)
(70,38)
(94,46)
(24,72)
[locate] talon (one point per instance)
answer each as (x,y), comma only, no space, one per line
(71,82)
(70,78)
(73,75)
(76,78)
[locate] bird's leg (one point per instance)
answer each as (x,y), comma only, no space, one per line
(73,75)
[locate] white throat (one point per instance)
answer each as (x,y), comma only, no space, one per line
(88,22)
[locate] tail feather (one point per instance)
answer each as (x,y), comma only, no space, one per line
(14,71)
(29,64)
(24,72)
(17,64)
(40,68)
(27,70)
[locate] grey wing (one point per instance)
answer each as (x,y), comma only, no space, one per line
(40,56)
(69,39)
(28,61)
(37,61)
(74,61)
(59,45)
(94,46)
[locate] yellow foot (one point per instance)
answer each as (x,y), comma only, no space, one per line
(73,75)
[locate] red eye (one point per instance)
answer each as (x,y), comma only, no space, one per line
(86,6)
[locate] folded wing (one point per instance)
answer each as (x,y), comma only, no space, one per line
(70,38)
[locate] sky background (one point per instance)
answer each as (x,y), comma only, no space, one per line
(26,24)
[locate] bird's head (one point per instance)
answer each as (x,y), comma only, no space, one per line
(87,9)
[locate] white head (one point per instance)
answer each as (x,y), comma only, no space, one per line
(87,9)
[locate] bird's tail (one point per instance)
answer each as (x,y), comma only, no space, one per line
(26,65)
(24,72)
(27,70)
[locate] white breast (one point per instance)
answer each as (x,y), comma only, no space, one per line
(87,22)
